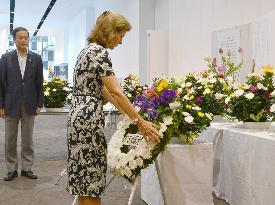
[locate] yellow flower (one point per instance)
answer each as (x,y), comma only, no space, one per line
(191,97)
(48,89)
(232,95)
(163,84)
(200,114)
(139,89)
(189,107)
(210,86)
(134,77)
(179,90)
(268,69)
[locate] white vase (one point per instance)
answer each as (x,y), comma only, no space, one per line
(257,125)
(60,109)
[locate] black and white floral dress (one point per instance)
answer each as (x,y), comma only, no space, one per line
(87,147)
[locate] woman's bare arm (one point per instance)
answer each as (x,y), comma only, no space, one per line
(110,99)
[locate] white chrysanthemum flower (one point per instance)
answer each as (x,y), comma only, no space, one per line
(188,84)
(272,108)
(162,128)
(137,108)
(185,114)
(207,91)
(129,95)
(213,80)
(261,86)
(191,90)
(218,96)
(168,120)
(46,93)
(208,116)
(239,92)
(66,89)
(249,96)
(227,100)
(174,105)
(196,108)
(54,89)
(186,97)
(189,119)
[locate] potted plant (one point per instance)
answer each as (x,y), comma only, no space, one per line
(56,93)
(217,82)
(253,101)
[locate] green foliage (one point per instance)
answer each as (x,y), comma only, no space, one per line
(56,93)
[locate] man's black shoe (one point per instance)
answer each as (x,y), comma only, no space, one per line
(10,176)
(28,174)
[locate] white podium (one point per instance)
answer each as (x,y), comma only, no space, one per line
(185,173)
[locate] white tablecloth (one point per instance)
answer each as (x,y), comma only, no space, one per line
(186,175)
(244,164)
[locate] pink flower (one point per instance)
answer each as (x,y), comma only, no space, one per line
(253,89)
(221,68)
(198,99)
(240,50)
(214,62)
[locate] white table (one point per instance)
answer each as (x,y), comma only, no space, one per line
(244,164)
(185,173)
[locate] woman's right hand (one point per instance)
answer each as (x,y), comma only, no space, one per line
(148,130)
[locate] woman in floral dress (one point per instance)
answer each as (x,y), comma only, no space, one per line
(94,79)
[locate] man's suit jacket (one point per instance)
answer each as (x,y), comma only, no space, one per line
(15,91)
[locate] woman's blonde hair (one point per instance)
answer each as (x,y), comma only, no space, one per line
(108,26)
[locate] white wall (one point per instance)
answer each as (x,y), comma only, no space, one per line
(146,22)
(191,24)
(162,15)
(76,35)
(4,32)
(125,56)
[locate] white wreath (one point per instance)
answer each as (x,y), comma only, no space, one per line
(124,163)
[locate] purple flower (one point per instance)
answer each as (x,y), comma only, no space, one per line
(155,101)
(198,99)
(167,96)
(253,89)
(142,102)
(153,113)
(225,106)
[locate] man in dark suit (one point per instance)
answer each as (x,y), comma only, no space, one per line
(21,94)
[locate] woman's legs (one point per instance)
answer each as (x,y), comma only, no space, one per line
(87,200)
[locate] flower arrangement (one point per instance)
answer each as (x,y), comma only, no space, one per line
(253,101)
(208,90)
(56,93)
(165,105)
(131,87)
